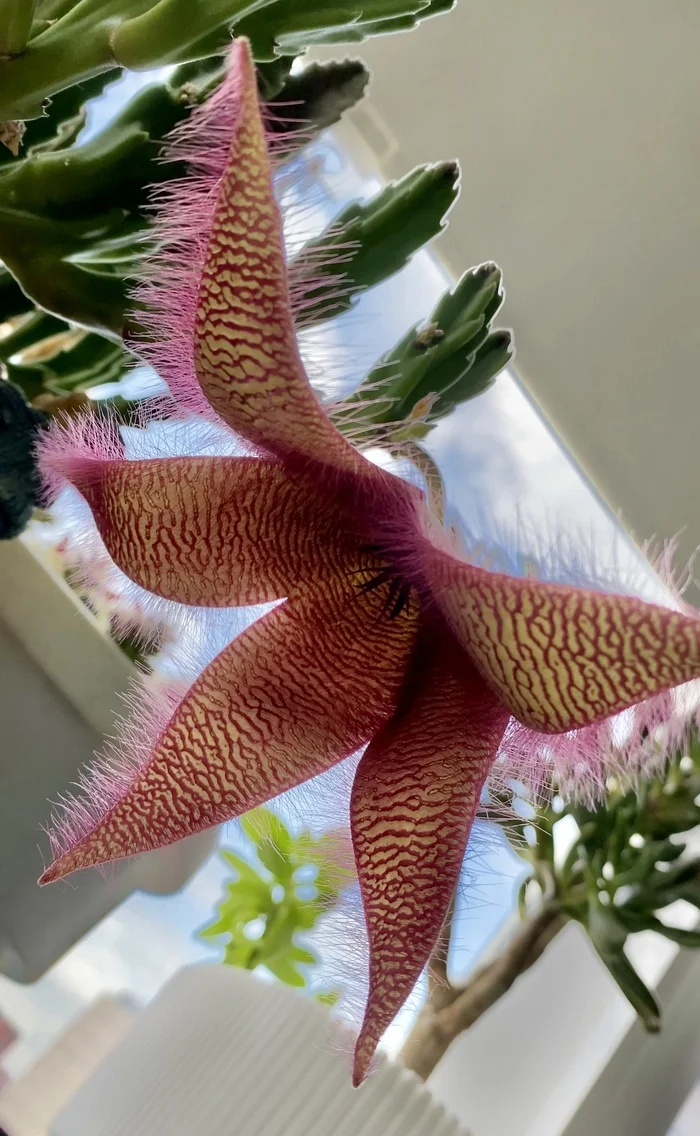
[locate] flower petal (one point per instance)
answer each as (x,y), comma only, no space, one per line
(245,349)
(563,657)
(211,531)
(414,799)
(300,689)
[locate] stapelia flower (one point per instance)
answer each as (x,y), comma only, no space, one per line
(386,637)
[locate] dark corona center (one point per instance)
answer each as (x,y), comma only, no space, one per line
(398,591)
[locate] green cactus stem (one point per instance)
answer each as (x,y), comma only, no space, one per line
(16,18)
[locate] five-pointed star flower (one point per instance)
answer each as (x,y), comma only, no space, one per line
(385,637)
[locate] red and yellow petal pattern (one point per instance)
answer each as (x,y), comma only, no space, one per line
(245,350)
(563,657)
(300,689)
(213,531)
(414,799)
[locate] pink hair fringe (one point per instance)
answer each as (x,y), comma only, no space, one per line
(71,451)
(184,208)
(150,703)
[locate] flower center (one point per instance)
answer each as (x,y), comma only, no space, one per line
(383,575)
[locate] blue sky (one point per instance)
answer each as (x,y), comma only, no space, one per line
(502,467)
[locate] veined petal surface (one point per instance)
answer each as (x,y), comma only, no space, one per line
(563,657)
(213,531)
(245,348)
(414,799)
(301,689)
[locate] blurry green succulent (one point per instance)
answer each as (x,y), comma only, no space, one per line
(277,893)
(633,857)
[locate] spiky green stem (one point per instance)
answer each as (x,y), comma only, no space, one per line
(16,18)
(96,35)
(35,249)
(91,36)
(160,35)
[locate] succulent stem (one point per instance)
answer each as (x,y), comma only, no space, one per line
(16,18)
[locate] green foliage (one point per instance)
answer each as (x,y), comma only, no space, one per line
(63,117)
(316,97)
(287,27)
(75,226)
(16,18)
(12,299)
(72,223)
(87,38)
(369,241)
(629,862)
(435,367)
(275,896)
(360,31)
(42,256)
(57,360)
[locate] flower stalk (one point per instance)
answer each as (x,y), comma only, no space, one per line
(450,1010)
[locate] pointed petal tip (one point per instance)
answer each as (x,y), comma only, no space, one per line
(73,452)
(364,1053)
(83,852)
(241,52)
(617,652)
(365,1060)
(56,871)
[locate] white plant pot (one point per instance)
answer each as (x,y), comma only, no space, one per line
(221,1053)
(60,682)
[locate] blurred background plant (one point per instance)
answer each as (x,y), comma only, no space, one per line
(74,219)
(279,889)
(625,865)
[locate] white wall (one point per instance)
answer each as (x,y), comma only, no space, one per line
(563,1054)
(577,128)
